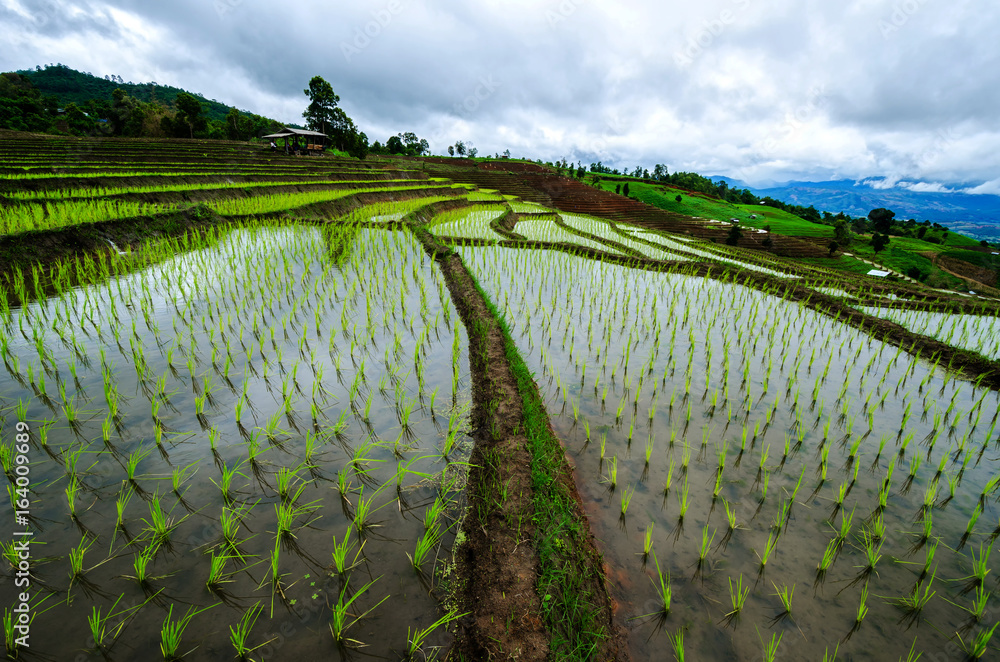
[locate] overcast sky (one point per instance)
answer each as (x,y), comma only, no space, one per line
(908,90)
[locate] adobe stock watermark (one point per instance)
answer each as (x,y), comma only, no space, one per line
(943,140)
(44,11)
(901,14)
(467,107)
(364,35)
(709,32)
(793,123)
(225,7)
(562,12)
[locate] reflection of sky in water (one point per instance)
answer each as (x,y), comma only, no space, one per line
(267,317)
(976,333)
(577,322)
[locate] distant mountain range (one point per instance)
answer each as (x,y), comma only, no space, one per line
(974,215)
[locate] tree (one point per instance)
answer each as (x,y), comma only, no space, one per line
(879,242)
(768,243)
(842,233)
(322,105)
(395,145)
(451,150)
(921,231)
(472,152)
(618,189)
(460,148)
(625,190)
(833,246)
(881,219)
(580,172)
(506,153)
(189,114)
(356,145)
(734,235)
(678,198)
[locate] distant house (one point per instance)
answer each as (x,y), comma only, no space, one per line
(878,272)
(298,141)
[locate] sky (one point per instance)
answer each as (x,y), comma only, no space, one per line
(895,92)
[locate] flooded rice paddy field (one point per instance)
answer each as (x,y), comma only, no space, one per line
(267,429)
(743,449)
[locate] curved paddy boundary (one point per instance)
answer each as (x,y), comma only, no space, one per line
(533,581)
(49,248)
(971,365)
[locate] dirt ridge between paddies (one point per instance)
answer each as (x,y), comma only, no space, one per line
(527,534)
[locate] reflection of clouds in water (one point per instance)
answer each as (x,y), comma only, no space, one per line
(573,318)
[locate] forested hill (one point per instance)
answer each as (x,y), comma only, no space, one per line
(72,86)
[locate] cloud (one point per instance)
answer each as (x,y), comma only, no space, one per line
(788,89)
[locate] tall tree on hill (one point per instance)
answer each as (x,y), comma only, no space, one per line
(881,219)
(190,114)
(842,233)
(322,105)
(879,242)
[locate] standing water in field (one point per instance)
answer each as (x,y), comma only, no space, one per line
(759,474)
(266,431)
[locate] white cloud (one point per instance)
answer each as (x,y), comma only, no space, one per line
(789,89)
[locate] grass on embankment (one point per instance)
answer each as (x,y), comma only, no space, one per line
(568,563)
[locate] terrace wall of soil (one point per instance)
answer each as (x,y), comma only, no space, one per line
(499,563)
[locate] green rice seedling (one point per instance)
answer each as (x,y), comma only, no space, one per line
(239,634)
(670,477)
(977,647)
(172,632)
(363,513)
(770,647)
(217,576)
(225,483)
(677,645)
(928,559)
(872,548)
(977,609)
(912,605)
(425,545)
(415,639)
(829,555)
(647,542)
(831,658)
(706,543)
(980,568)
(76,555)
(287,512)
(784,595)
(973,519)
(160,525)
(626,500)
(142,564)
(738,595)
(341,617)
(682,499)
(861,613)
(102,633)
(612,478)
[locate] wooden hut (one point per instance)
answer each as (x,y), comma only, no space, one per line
(299,141)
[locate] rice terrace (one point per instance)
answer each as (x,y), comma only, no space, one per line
(261,407)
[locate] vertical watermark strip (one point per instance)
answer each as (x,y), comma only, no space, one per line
(18,619)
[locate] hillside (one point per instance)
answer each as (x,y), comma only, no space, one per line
(975,215)
(72,86)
